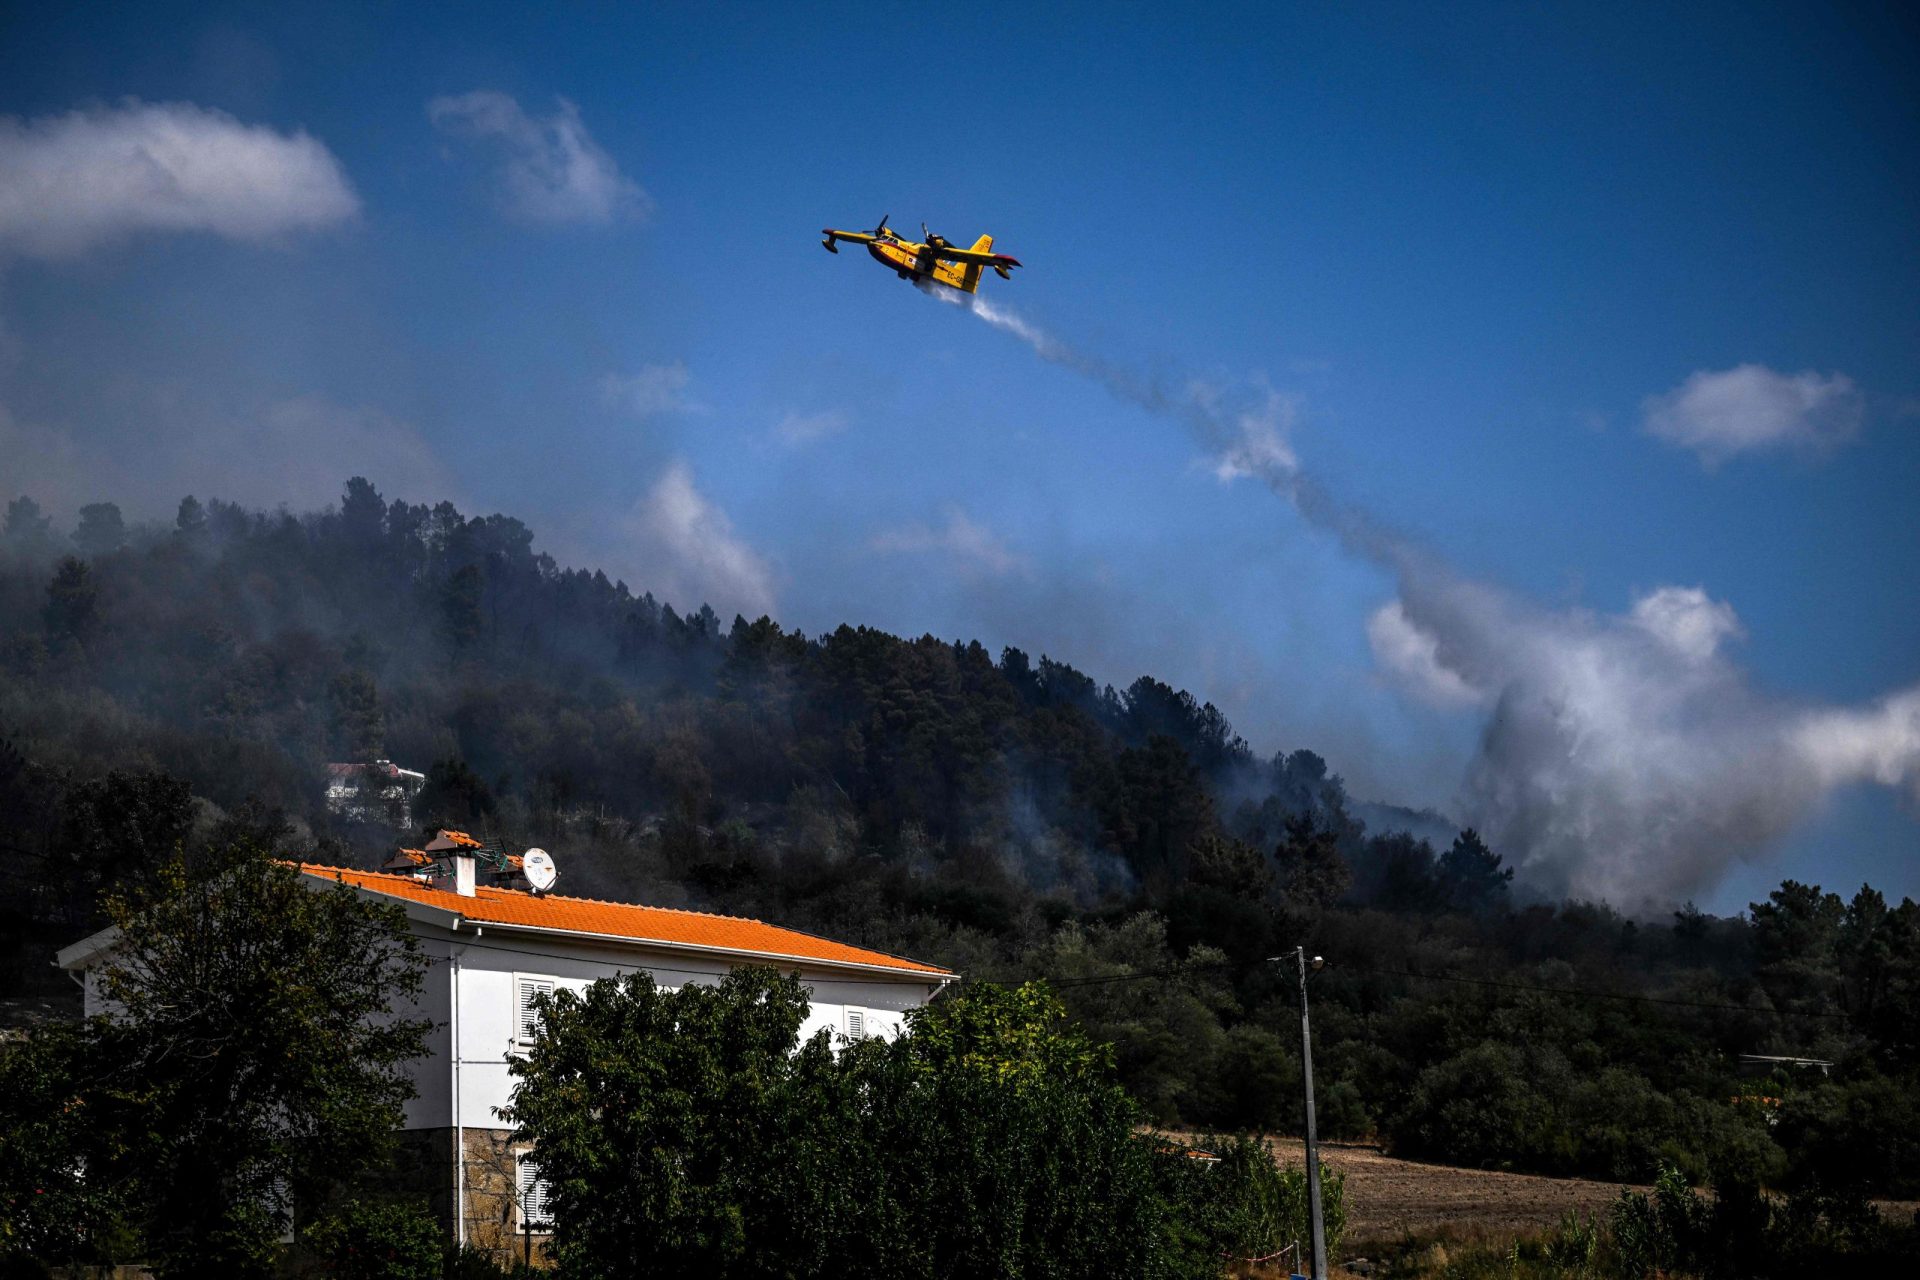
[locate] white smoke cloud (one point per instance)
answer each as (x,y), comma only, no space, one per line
(549,168)
(1413,657)
(71,182)
(295,451)
(1260,446)
(1751,408)
(1881,742)
(1626,758)
(686,551)
(654,390)
(1244,430)
(1623,757)
(1687,620)
(976,548)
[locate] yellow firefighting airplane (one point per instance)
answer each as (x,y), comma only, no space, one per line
(937,259)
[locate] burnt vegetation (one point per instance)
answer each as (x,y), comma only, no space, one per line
(1003,814)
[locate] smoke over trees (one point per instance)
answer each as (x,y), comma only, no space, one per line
(1622,757)
(1008,816)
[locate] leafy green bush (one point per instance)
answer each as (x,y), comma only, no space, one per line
(1862,1133)
(48,1209)
(1574,1247)
(1247,1205)
(1662,1230)
(1738,1232)
(470,1262)
(361,1240)
(689,1133)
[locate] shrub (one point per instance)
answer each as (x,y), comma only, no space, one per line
(689,1133)
(362,1240)
(1246,1205)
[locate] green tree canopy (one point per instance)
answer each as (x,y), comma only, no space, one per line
(101,530)
(251,1062)
(689,1133)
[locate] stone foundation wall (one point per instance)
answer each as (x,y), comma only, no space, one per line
(423,1165)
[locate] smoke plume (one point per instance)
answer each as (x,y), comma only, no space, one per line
(1622,757)
(1244,431)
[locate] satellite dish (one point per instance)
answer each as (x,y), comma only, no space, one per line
(537,866)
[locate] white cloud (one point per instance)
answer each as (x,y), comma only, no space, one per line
(72,181)
(689,554)
(1751,408)
(654,390)
(976,548)
(550,169)
(805,428)
(1413,656)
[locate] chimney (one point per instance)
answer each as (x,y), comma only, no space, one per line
(454,873)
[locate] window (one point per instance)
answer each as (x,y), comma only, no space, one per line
(530,1193)
(526,1019)
(858,1028)
(278,1202)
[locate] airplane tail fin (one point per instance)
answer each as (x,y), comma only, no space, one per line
(970,274)
(964,276)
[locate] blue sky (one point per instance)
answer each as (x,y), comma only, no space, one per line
(1576,307)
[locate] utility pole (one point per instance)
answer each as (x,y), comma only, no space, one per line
(1315,1224)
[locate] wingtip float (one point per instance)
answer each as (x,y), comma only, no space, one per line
(934,259)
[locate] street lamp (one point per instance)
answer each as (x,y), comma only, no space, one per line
(1315,1225)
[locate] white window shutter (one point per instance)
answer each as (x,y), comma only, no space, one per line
(526,1019)
(856,1024)
(533,1196)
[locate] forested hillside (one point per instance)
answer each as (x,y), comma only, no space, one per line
(1004,814)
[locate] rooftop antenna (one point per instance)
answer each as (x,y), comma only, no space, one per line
(537,866)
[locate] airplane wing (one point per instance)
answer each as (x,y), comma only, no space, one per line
(856,237)
(1000,260)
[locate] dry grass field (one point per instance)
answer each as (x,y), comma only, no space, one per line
(1390,1201)
(1388,1198)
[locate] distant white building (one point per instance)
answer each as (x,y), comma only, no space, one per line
(492,947)
(377,792)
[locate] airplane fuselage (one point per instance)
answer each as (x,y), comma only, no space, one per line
(903,258)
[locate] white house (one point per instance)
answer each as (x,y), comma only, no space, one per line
(493,946)
(378,792)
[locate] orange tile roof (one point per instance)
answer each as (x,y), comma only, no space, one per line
(492,905)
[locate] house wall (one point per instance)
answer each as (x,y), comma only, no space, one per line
(485,968)
(432,1104)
